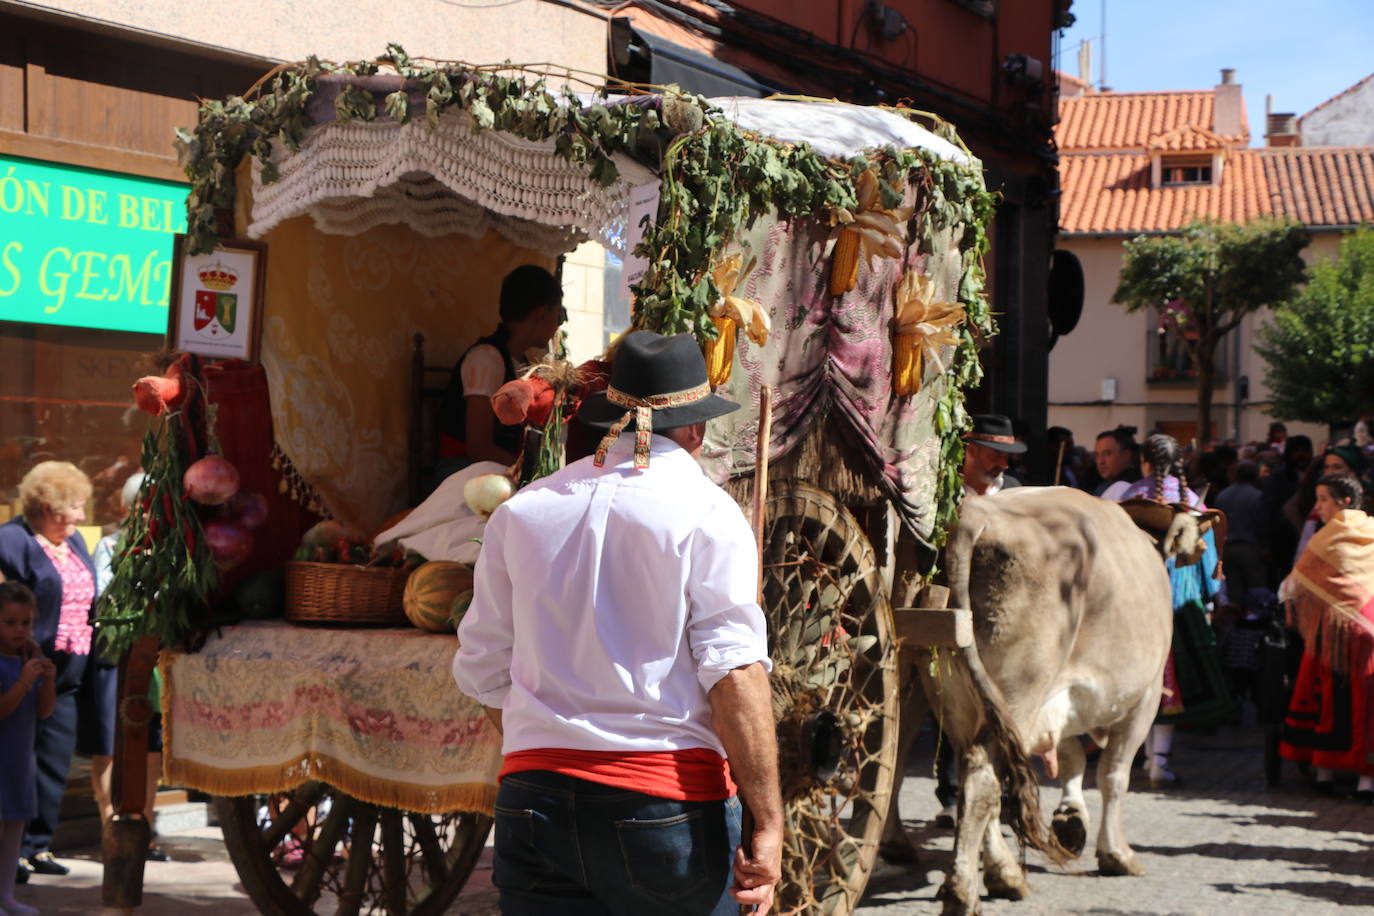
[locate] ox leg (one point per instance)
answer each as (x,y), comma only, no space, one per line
(1070,821)
(1114,855)
(978,805)
(1001,872)
(896,846)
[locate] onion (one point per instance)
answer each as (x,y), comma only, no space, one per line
(511,401)
(485,492)
(248,509)
(211,481)
(230,543)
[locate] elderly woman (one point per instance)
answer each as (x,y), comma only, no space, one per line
(42,549)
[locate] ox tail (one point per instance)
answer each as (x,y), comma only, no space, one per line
(1003,741)
(998,733)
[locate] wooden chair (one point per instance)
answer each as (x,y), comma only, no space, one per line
(427,386)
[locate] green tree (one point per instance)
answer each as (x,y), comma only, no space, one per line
(1206,279)
(1320,345)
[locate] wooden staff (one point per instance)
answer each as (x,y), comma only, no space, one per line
(1059,462)
(746,820)
(761,475)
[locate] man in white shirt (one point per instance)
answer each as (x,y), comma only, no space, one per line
(615,637)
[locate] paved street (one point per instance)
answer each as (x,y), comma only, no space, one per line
(1225,845)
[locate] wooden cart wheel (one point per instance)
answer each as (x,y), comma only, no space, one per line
(835,696)
(294,849)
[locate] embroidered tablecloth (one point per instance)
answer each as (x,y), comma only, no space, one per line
(265,707)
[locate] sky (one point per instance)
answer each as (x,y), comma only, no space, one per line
(1300,52)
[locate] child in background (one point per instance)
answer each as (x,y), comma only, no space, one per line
(28,692)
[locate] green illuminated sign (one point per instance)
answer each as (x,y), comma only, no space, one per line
(85,248)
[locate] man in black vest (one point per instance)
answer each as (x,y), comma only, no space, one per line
(531,312)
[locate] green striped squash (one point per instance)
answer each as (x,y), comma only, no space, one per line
(430,591)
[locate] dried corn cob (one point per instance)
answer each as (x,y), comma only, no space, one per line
(908,361)
(844,262)
(720,353)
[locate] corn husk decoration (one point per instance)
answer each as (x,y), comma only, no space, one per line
(923,325)
(870,230)
(730,313)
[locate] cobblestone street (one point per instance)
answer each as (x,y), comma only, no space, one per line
(1224,844)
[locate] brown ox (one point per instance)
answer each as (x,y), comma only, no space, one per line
(1072,625)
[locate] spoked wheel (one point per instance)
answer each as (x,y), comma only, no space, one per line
(835,696)
(296,850)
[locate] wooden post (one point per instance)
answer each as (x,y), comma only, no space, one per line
(1059,462)
(125,839)
(761,475)
(765,433)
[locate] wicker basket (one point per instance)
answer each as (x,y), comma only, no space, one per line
(345,595)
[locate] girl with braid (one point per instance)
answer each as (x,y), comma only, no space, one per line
(1195,687)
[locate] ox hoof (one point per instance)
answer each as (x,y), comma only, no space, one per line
(1071,829)
(1113,865)
(957,901)
(1007,887)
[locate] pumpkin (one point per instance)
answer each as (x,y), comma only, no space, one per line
(430,591)
(459,608)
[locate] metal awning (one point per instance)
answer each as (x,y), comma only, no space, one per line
(669,62)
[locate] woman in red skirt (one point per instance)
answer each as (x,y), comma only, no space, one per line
(1330,599)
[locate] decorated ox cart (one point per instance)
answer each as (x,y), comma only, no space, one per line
(825,254)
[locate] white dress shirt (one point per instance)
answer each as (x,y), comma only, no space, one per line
(608,601)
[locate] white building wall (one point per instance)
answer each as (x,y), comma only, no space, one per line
(1347,120)
(290,30)
(1110,343)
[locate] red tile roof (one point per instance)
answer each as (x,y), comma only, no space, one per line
(1112,193)
(1106,141)
(1187,137)
(1129,120)
(1321,186)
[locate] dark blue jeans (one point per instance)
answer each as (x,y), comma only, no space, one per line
(569,847)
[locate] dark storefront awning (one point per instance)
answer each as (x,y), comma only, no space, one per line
(667,62)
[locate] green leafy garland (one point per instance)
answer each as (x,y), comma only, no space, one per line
(716,180)
(163,573)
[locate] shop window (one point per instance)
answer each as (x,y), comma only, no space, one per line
(65,395)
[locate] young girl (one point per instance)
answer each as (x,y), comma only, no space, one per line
(28,691)
(1196,688)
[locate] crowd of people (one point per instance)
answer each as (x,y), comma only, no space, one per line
(1298,554)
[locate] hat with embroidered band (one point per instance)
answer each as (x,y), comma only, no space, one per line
(992,430)
(657,383)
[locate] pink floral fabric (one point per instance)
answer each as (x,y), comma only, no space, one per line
(834,355)
(78,593)
(265,707)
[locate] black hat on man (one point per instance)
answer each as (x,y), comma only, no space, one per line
(669,370)
(992,430)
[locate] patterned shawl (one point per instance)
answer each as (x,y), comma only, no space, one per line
(1330,593)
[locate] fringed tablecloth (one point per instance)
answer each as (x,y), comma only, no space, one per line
(266,707)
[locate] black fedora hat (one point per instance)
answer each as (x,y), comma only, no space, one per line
(663,376)
(992,430)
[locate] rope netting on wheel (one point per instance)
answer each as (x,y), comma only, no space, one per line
(834,695)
